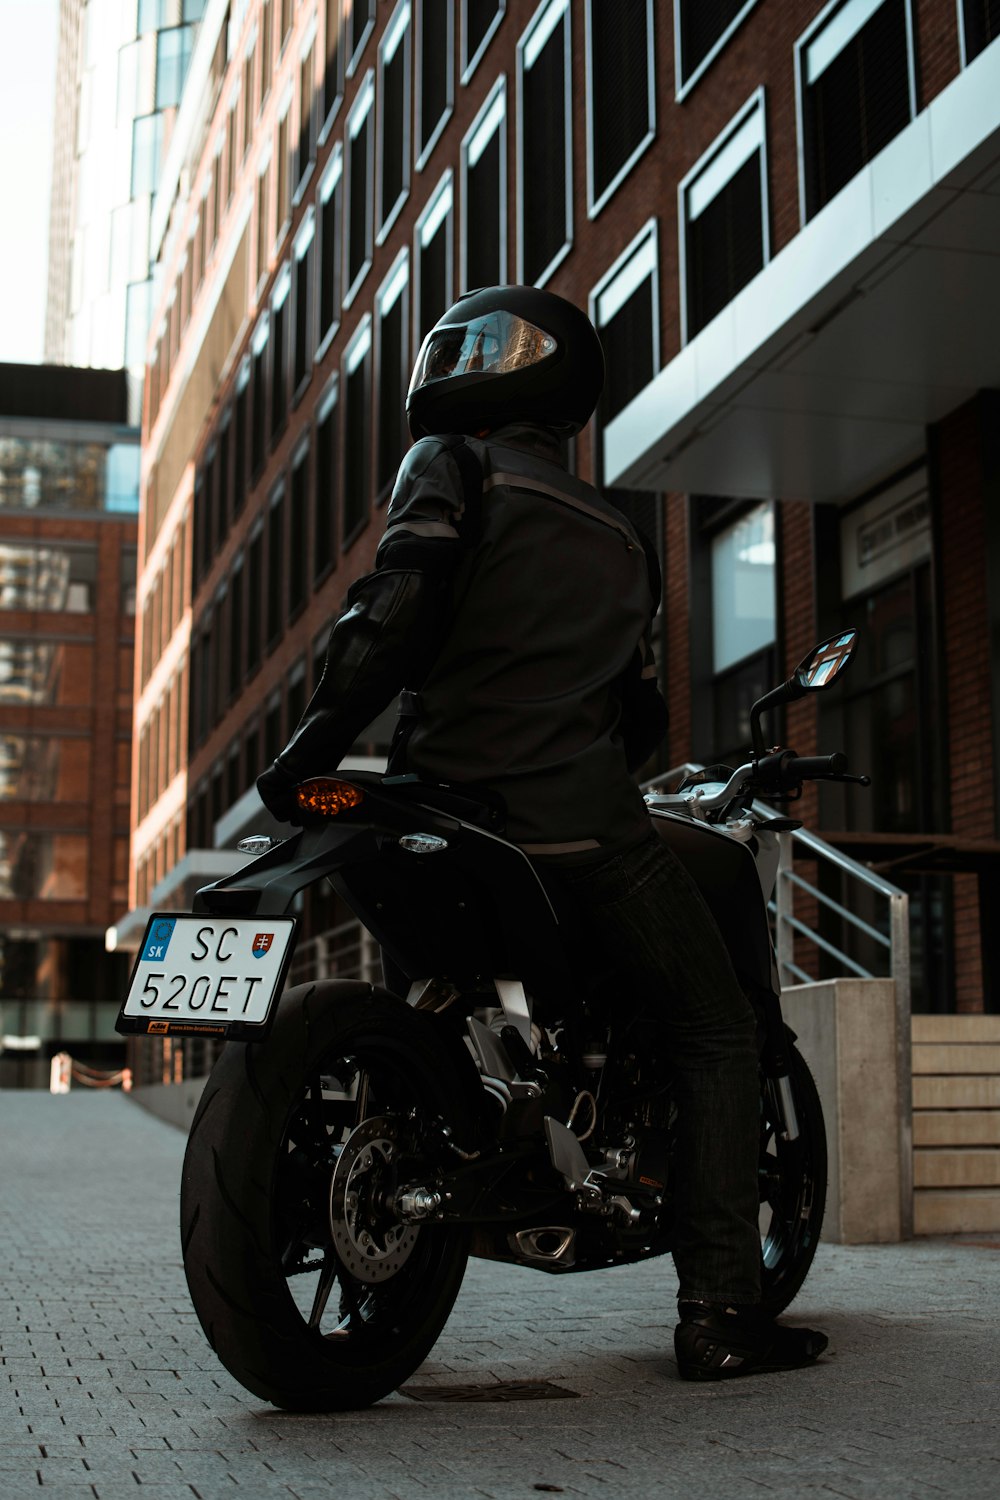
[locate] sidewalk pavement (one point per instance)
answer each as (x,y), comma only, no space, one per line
(108,1389)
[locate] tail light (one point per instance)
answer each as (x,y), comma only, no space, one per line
(325,797)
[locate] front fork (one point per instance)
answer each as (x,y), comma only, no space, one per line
(776,1063)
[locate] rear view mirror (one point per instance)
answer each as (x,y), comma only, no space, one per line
(822,667)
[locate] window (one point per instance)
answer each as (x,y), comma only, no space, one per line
(284,168)
(231,151)
(855,84)
(743,621)
(216,196)
(723,219)
(303,343)
(248,62)
(480,19)
(38,576)
(359,22)
(433,254)
(233,783)
(147,146)
(330,203)
(275,570)
(544,143)
(222,501)
(298,537)
(272,727)
(263,219)
(279,353)
(327,481)
(240,438)
(357,430)
(236,628)
(624,308)
(360,164)
(394,117)
(733,647)
(391,372)
(333,68)
(266,50)
(484,195)
(304,155)
(285,24)
(743,612)
(296,693)
(173,53)
(435,72)
(979,22)
(621,115)
(251,754)
(701,29)
(258,426)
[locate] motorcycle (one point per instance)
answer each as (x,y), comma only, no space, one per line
(353,1147)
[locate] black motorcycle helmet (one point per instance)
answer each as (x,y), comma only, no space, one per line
(506,354)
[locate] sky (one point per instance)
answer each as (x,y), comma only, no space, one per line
(28,39)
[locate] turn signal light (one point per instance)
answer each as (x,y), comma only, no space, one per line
(326,797)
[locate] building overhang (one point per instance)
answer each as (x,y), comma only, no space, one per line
(880,316)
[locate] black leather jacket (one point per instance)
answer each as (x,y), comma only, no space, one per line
(520,626)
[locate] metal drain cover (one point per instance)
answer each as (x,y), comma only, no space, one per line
(501,1390)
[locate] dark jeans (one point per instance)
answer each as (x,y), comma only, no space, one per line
(648,915)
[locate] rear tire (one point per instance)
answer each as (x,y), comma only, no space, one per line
(265,1254)
(793,1190)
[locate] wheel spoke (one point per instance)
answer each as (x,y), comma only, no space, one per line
(327,1280)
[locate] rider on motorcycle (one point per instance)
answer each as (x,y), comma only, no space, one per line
(511,607)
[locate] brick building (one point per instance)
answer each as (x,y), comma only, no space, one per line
(69,497)
(781,218)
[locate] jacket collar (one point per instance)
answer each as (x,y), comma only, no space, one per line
(532,437)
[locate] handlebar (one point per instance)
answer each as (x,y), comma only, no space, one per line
(781,772)
(806,767)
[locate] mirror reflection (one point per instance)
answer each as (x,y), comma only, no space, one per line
(827,661)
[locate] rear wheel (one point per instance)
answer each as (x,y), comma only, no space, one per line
(312,1290)
(792,1177)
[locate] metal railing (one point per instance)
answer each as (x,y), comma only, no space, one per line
(891,942)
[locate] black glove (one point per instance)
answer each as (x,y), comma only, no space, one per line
(277,792)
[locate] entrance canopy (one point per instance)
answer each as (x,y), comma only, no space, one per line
(880,316)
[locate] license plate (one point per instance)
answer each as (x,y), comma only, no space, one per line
(208,976)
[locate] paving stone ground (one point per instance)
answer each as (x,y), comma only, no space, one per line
(108,1390)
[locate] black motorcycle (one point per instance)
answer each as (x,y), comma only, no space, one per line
(354,1146)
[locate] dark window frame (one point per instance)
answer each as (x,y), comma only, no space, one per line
(548,18)
(396,287)
(597,200)
(360,112)
(443,219)
(803,44)
(683,85)
(497,96)
(728,137)
(399,30)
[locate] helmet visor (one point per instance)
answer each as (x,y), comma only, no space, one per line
(493,345)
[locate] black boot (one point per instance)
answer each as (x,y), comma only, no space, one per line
(713,1341)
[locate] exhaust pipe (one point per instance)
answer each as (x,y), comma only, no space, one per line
(545,1245)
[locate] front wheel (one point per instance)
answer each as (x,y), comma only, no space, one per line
(311,1289)
(792,1176)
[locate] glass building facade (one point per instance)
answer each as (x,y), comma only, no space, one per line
(68,520)
(125,71)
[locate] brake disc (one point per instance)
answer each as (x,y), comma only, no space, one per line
(372,1243)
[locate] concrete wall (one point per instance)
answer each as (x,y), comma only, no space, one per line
(847,1035)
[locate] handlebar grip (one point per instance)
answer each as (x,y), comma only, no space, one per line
(805,767)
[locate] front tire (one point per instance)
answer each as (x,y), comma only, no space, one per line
(312,1293)
(792,1177)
